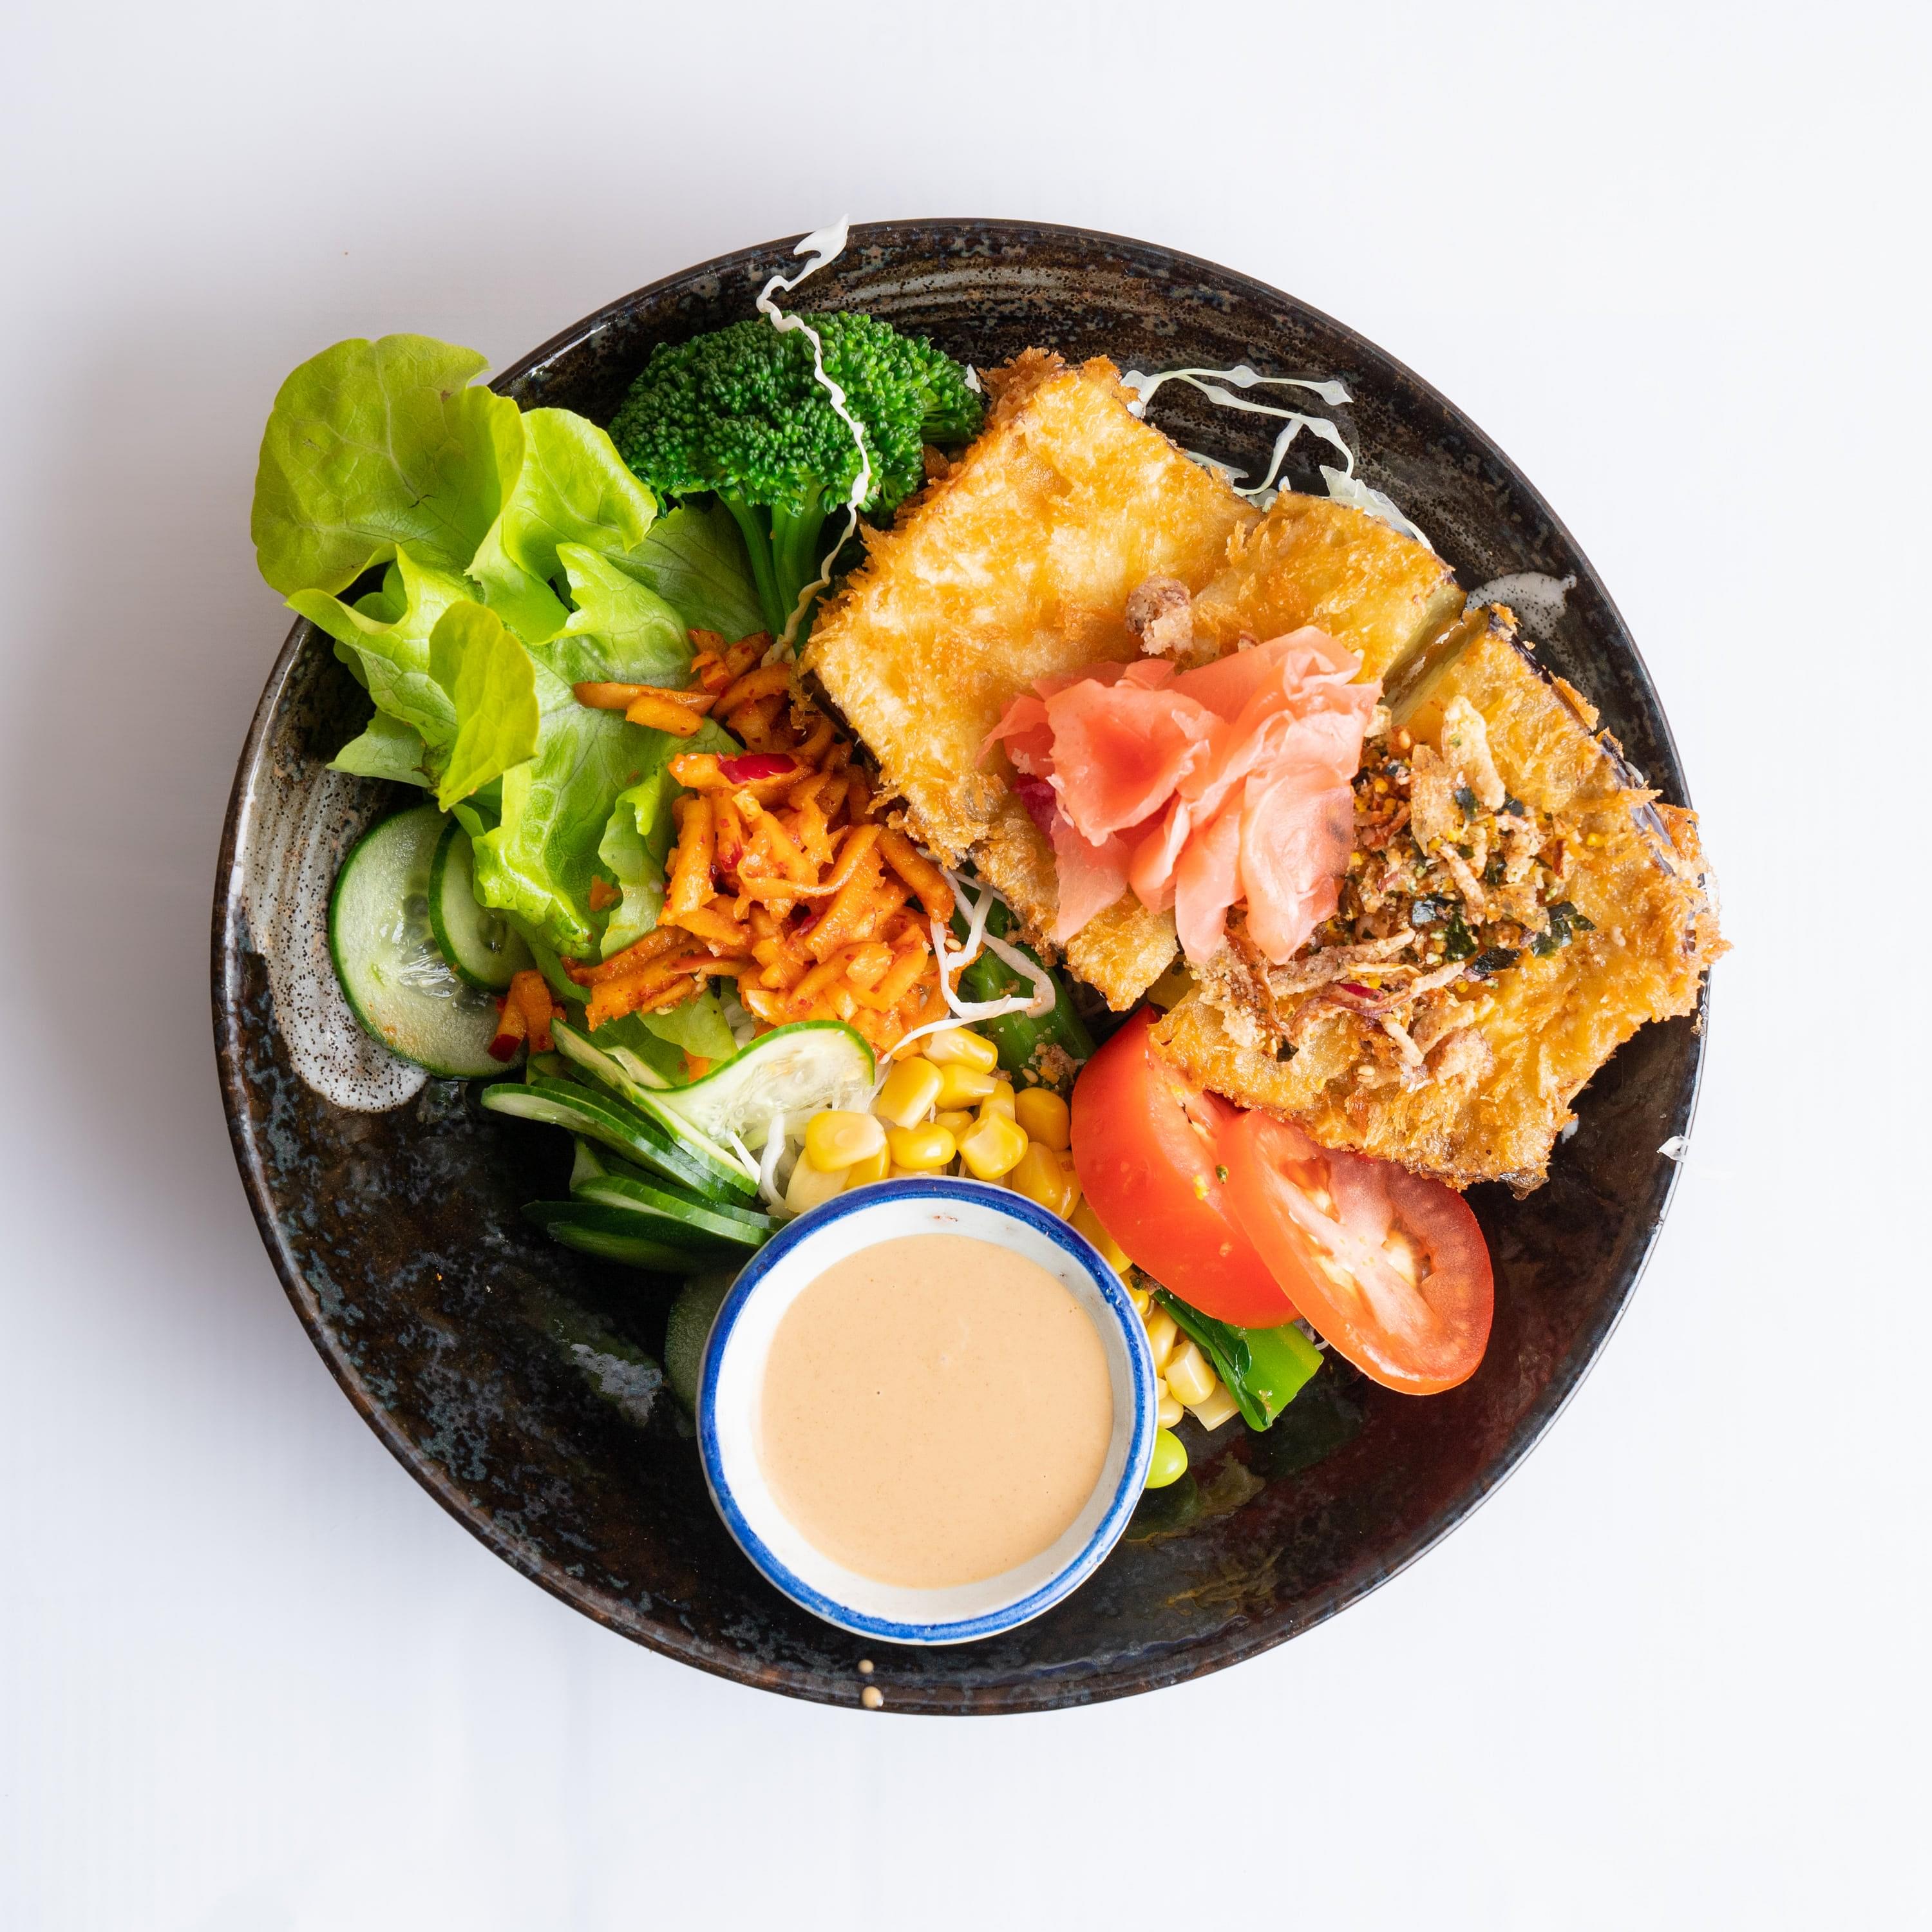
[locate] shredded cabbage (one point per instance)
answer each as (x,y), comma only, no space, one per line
(1041,1004)
(768,1168)
(745,1158)
(1346,487)
(1144,386)
(1343,485)
(952,963)
(823,245)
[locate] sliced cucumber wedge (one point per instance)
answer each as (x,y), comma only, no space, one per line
(603,1117)
(589,1164)
(608,1233)
(593,1163)
(683,1219)
(652,1063)
(398,985)
(812,1064)
(485,950)
(577,1047)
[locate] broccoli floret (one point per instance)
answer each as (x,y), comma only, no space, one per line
(737,412)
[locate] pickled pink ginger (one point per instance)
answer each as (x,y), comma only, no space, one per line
(1201,790)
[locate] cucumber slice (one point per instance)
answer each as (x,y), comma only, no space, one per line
(607,1232)
(812,1064)
(589,1165)
(695,1223)
(692,1315)
(603,1117)
(397,983)
(650,1061)
(481,944)
(593,1163)
(654,1103)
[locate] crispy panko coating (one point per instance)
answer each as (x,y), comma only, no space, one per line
(1016,564)
(1526,1041)
(1019,562)
(1309,561)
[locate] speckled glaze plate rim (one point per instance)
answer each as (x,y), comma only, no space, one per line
(1240,1640)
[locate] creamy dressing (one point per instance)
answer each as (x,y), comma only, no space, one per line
(1537,597)
(936,1410)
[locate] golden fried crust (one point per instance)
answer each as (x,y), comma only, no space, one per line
(1550,1023)
(1309,561)
(1017,565)
(1123,950)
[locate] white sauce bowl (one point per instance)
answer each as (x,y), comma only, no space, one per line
(731,1389)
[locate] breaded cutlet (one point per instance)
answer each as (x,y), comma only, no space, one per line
(1636,872)
(1017,565)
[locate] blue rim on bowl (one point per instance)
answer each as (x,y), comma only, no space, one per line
(787,1264)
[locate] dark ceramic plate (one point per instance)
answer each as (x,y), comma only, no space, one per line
(511,1378)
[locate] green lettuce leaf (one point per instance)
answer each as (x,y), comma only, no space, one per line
(635,845)
(698,1026)
(482,811)
(537,864)
(694,559)
(572,487)
(632,1034)
(620,630)
(386,604)
(388,749)
(638,840)
(491,680)
(392,659)
(375,449)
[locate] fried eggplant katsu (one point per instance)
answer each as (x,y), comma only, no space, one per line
(1515,904)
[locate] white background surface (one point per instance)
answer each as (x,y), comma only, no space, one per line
(1671,256)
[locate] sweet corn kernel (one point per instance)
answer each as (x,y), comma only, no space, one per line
(1170,1411)
(922,1150)
(1188,1375)
(1001,1100)
(955,1120)
(1140,1298)
(809,1186)
(910,1090)
(1161,1336)
(1111,1252)
(1046,1117)
(1040,1178)
(959,1048)
(836,1139)
(962,1086)
(992,1146)
(1220,1407)
(874,1167)
(1072,1174)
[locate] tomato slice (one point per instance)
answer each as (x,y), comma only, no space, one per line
(1390,1269)
(1146,1144)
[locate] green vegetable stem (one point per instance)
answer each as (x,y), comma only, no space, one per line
(1019,1037)
(1264,1369)
(739,413)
